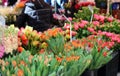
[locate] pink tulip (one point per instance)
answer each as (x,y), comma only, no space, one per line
(110,19)
(58,17)
(74,33)
(101,18)
(108,34)
(90,29)
(20,33)
(118,40)
(96,23)
(119,21)
(84,22)
(96,16)
(70,18)
(114,38)
(111,44)
(76,26)
(67,26)
(81,25)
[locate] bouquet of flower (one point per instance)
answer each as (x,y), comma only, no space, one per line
(10,39)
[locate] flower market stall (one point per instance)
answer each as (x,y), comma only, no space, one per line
(88,44)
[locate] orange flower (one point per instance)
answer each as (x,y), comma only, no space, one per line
(21,4)
(7,63)
(76,43)
(41,51)
(14,63)
(67,46)
(20,49)
(43,37)
(105,54)
(53,32)
(25,42)
(22,62)
(58,59)
(23,37)
(76,58)
(68,59)
(20,72)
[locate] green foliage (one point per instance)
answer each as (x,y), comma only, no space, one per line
(82,32)
(56,44)
(99,57)
(76,68)
(85,14)
(111,27)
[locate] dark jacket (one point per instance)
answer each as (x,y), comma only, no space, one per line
(33,16)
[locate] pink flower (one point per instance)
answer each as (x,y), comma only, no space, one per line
(118,40)
(114,38)
(67,26)
(96,16)
(84,22)
(74,33)
(2,50)
(70,18)
(111,44)
(81,25)
(76,26)
(101,18)
(109,34)
(20,33)
(103,33)
(90,29)
(110,19)
(119,21)
(58,17)
(96,23)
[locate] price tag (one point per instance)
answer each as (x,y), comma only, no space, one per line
(2,21)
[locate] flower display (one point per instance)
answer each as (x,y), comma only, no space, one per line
(26,64)
(81,44)
(83,4)
(10,39)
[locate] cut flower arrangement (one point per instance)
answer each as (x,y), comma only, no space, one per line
(8,39)
(53,53)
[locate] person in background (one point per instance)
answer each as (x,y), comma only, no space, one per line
(30,15)
(59,4)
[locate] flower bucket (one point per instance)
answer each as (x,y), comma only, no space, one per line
(111,68)
(90,73)
(119,62)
